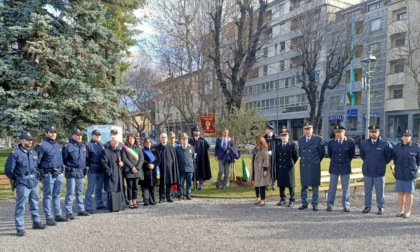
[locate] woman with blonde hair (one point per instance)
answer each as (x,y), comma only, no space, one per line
(260,176)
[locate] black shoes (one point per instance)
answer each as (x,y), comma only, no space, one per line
(303,207)
(169,200)
(84,213)
(290,204)
(315,208)
(366,210)
(381,211)
(70,216)
(189,198)
(161,200)
(102,208)
(38,225)
(281,203)
(59,218)
(347,210)
(21,232)
(51,222)
(329,209)
(90,211)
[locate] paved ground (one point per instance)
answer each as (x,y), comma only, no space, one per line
(222,225)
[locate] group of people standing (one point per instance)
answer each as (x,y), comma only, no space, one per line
(106,166)
(274,158)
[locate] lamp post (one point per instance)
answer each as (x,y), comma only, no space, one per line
(366,85)
(277,98)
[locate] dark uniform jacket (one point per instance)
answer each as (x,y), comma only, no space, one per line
(95,152)
(375,157)
(311,154)
(49,154)
(341,156)
(285,159)
(169,171)
(130,162)
(74,156)
(185,158)
(113,181)
(150,176)
(406,160)
(272,142)
(201,147)
(21,165)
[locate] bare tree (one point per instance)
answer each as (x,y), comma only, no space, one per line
(320,44)
(237,33)
(404,46)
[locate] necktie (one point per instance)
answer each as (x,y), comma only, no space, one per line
(341,141)
(224,143)
(373,142)
(307,139)
(284,145)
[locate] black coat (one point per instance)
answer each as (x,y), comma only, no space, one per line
(311,154)
(150,176)
(169,172)
(201,147)
(130,162)
(113,181)
(285,159)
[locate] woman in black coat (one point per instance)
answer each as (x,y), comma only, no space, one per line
(151,172)
(132,156)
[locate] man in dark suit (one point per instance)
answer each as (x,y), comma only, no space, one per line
(221,150)
(311,152)
(341,151)
(285,157)
(272,140)
(202,161)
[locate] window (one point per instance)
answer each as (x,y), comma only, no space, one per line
(352,123)
(375,6)
(295,62)
(282,28)
(265,69)
(398,40)
(359,28)
(375,97)
(358,52)
(397,66)
(276,47)
(281,9)
(317,76)
(397,93)
(282,46)
(402,16)
(281,65)
(375,48)
(265,52)
(357,75)
(375,24)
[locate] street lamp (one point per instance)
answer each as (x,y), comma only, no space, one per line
(366,85)
(277,98)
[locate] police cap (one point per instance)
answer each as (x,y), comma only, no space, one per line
(96,132)
(76,132)
(26,136)
(407,133)
(339,128)
(308,125)
(50,129)
(195,128)
(114,132)
(374,127)
(268,126)
(284,131)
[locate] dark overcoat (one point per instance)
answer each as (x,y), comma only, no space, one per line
(169,171)
(285,159)
(113,180)
(201,147)
(311,154)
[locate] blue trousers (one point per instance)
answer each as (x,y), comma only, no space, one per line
(22,195)
(51,190)
(345,184)
(304,195)
(95,184)
(379,183)
(74,186)
(185,176)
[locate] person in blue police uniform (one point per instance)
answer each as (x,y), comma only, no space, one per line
(406,157)
(285,158)
(21,169)
(74,156)
(376,153)
(311,152)
(185,156)
(341,151)
(50,165)
(95,185)
(271,140)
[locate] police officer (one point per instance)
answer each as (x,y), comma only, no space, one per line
(311,152)
(407,161)
(21,169)
(285,158)
(95,151)
(341,151)
(51,167)
(271,139)
(74,157)
(376,153)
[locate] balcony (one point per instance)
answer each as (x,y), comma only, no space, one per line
(394,104)
(395,79)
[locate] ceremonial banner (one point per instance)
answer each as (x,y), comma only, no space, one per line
(207,124)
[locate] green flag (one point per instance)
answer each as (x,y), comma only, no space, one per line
(245,172)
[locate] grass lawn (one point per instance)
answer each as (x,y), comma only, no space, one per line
(210,186)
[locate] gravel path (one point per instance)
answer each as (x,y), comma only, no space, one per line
(223,225)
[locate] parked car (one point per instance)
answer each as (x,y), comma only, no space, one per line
(212,142)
